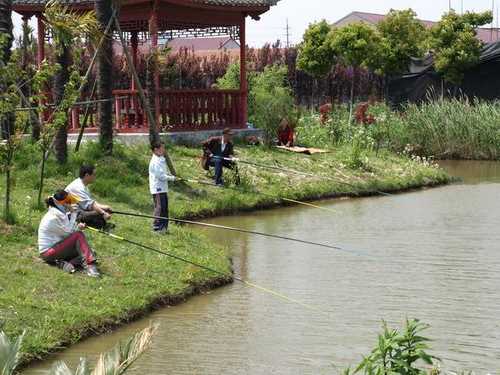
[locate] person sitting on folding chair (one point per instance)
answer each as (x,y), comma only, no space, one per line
(217,152)
(60,239)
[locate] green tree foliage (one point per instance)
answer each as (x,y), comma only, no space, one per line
(402,37)
(12,130)
(316,55)
(10,135)
(454,43)
(273,100)
(356,44)
(231,81)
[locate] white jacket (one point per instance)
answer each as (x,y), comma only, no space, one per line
(159,175)
(78,189)
(55,226)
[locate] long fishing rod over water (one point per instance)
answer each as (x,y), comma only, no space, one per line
(243,281)
(257,192)
(293,171)
(241,230)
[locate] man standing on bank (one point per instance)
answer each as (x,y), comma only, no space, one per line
(90,212)
(159,175)
(216,152)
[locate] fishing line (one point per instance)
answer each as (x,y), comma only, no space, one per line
(241,230)
(243,281)
(257,192)
(293,171)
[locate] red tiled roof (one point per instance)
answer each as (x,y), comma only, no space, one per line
(487,35)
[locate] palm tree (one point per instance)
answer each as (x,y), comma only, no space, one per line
(6,27)
(67,28)
(104,11)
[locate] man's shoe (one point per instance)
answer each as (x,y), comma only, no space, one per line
(66,266)
(91,270)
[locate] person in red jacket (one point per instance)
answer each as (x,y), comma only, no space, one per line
(286,135)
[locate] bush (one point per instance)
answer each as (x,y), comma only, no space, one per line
(398,352)
(273,100)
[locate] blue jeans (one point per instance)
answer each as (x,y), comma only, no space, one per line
(160,202)
(218,163)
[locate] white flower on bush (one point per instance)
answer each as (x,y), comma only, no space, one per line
(381,117)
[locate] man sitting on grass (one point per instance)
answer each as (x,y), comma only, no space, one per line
(216,152)
(60,239)
(90,212)
(159,175)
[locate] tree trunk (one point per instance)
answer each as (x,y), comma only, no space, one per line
(85,118)
(6,27)
(104,11)
(61,79)
(154,136)
(7,124)
(27,67)
(142,95)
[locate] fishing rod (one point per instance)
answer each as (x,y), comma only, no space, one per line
(257,192)
(206,268)
(293,171)
(241,230)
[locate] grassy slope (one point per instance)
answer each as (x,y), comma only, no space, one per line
(57,308)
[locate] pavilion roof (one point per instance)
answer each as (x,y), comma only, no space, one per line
(229,3)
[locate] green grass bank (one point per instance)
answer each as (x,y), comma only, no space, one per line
(58,309)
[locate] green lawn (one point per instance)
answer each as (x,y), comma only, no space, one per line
(58,309)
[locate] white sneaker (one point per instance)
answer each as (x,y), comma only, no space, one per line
(91,270)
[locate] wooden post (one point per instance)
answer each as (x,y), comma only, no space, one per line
(243,75)
(153,32)
(134,42)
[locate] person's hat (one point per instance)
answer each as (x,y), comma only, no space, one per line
(68,199)
(228,131)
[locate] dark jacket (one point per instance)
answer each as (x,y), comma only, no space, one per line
(213,145)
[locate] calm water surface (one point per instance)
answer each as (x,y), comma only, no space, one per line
(432,254)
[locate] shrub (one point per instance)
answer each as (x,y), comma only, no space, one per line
(273,100)
(398,352)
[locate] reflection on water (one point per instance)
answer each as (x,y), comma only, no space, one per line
(434,255)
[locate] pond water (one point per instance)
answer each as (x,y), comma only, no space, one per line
(431,254)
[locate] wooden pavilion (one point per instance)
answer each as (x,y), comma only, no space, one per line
(148,20)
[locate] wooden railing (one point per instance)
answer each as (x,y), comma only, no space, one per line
(179,110)
(200,109)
